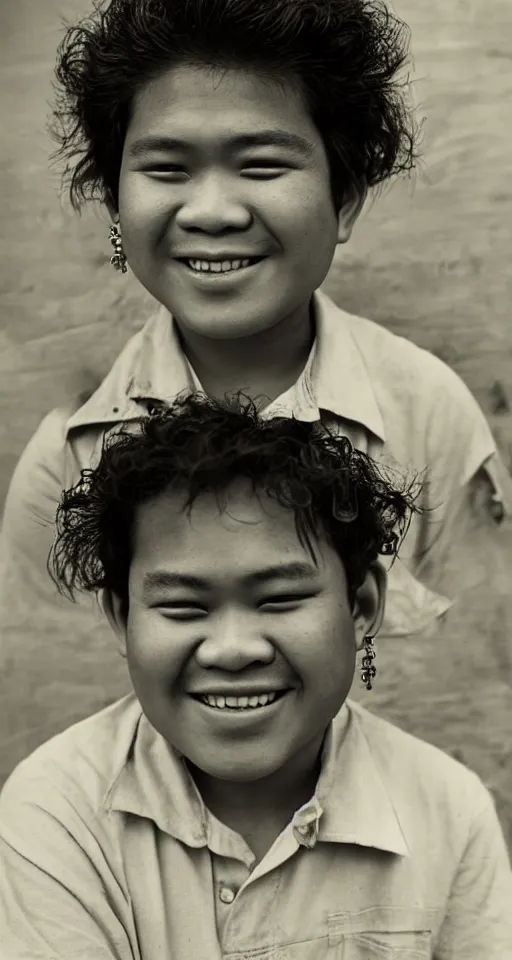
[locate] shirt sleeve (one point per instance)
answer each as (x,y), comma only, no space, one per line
(466,484)
(478,921)
(36,621)
(59,898)
(29,513)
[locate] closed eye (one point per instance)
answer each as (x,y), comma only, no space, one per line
(172,171)
(271,167)
(181,610)
(261,170)
(284,601)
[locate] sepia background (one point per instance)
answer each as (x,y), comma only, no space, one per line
(430,259)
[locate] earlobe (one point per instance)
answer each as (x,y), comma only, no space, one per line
(111,206)
(349,213)
(112,608)
(370,604)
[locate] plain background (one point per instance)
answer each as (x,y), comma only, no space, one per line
(430,260)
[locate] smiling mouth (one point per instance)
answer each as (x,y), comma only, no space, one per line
(219,266)
(239,704)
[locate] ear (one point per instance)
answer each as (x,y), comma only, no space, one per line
(369,604)
(351,208)
(112,608)
(111,206)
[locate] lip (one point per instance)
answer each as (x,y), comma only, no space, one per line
(237,691)
(228,277)
(218,256)
(249,714)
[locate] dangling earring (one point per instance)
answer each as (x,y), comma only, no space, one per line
(368,669)
(119,259)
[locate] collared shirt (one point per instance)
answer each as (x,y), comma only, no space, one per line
(108,851)
(395,401)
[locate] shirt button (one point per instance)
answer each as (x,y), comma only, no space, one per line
(226,895)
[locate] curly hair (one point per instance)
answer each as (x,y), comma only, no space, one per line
(199,445)
(347,56)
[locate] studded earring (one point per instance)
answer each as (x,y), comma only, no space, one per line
(118,261)
(368,668)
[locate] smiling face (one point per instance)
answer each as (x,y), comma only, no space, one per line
(225,200)
(241,649)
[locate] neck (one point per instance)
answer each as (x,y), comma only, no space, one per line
(263,365)
(260,809)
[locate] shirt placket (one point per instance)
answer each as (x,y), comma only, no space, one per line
(247,900)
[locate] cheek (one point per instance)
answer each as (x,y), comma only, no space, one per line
(335,660)
(311,229)
(143,207)
(322,646)
(129,192)
(304,202)
(332,674)
(155,648)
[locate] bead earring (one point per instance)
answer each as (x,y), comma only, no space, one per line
(118,261)
(368,668)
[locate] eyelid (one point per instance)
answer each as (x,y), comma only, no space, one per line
(264,173)
(182,612)
(179,605)
(164,167)
(270,161)
(266,165)
(287,598)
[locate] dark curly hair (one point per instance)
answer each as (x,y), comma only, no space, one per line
(201,445)
(347,56)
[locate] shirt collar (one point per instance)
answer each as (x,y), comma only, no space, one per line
(352,803)
(154,783)
(339,375)
(153,366)
(352,794)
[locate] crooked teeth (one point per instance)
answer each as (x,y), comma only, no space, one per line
(239,703)
(217,266)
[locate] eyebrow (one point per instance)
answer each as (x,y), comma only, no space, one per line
(264,138)
(168,579)
(297,571)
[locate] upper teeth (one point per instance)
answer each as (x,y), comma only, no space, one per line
(239,702)
(217,266)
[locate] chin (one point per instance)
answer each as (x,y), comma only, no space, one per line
(230,326)
(227,331)
(240,771)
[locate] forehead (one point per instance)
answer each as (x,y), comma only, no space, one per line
(189,100)
(233,534)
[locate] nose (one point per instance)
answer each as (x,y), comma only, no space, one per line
(234,642)
(211,206)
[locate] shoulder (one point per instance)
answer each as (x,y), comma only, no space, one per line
(400,364)
(430,415)
(48,440)
(415,770)
(98,402)
(68,777)
(46,447)
(38,477)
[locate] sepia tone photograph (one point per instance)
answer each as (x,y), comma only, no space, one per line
(256,479)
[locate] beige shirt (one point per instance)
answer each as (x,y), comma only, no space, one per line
(394,400)
(107,851)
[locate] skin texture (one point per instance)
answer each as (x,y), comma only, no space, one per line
(230,633)
(216,196)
